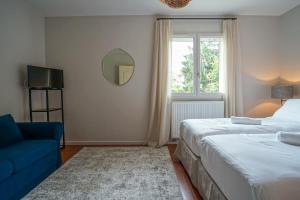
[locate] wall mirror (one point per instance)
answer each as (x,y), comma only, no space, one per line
(118,67)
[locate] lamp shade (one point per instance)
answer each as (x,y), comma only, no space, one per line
(282,92)
(176,3)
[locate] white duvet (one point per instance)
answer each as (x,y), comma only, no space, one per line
(193,130)
(286,119)
(252,167)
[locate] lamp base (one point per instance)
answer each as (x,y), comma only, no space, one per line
(282,101)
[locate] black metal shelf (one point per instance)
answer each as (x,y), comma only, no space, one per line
(47,110)
(44,88)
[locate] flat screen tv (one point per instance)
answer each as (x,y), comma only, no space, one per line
(41,77)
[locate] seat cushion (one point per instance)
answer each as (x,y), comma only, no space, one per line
(24,153)
(19,184)
(6,169)
(9,131)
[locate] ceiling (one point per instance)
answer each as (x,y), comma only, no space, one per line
(153,7)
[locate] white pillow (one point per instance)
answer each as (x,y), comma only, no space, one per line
(292,138)
(289,111)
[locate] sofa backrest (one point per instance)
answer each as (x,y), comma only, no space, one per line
(9,131)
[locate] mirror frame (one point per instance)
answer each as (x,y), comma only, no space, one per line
(102,67)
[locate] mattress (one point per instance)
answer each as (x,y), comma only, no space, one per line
(198,174)
(252,167)
(193,130)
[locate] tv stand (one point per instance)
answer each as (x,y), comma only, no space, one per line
(48,110)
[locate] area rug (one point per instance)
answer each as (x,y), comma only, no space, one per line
(135,173)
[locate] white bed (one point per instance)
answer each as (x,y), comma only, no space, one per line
(285,119)
(252,167)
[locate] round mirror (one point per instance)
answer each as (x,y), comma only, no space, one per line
(118,67)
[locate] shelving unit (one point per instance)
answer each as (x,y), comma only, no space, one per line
(48,110)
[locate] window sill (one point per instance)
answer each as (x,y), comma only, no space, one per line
(201,97)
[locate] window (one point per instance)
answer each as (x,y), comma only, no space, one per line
(182,65)
(195,64)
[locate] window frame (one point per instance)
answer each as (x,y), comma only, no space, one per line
(197,94)
(194,59)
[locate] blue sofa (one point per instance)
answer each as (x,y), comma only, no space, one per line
(29,152)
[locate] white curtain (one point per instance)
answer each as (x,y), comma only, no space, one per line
(232,69)
(159,121)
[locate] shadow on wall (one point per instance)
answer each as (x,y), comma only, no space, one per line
(295,83)
(257,99)
(297,90)
(23,85)
(267,106)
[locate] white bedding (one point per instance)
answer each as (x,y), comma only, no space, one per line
(252,167)
(193,130)
(292,138)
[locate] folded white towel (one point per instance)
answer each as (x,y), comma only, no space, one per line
(245,120)
(292,138)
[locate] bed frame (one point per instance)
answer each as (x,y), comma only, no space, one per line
(200,178)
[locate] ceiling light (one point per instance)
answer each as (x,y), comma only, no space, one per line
(176,3)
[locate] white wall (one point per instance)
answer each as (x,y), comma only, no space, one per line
(259,37)
(197,26)
(290,47)
(96,111)
(22,39)
(260,60)
(100,112)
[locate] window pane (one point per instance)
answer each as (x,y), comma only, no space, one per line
(182,63)
(210,60)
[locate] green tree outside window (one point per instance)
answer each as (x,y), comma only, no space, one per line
(209,69)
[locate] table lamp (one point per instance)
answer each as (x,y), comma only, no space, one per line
(282,92)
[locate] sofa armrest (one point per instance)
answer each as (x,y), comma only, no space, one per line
(6,169)
(41,130)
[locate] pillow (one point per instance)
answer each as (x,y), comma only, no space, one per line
(9,131)
(292,138)
(289,111)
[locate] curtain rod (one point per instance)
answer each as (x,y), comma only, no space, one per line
(197,18)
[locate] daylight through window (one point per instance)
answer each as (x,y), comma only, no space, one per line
(195,63)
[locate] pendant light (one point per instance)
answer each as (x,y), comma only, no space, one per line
(176,3)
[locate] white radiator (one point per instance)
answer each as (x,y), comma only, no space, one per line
(182,110)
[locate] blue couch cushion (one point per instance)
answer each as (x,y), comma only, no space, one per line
(26,152)
(9,131)
(6,169)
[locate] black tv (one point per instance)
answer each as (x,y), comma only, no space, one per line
(41,77)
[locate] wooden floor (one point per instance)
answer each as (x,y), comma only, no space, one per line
(187,189)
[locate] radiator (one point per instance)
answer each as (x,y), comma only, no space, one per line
(182,110)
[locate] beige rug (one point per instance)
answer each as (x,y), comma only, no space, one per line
(135,173)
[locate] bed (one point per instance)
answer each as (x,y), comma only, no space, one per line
(252,166)
(205,169)
(193,130)
(243,167)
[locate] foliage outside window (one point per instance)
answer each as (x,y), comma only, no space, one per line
(182,65)
(195,64)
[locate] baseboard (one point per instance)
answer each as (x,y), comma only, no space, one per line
(91,143)
(173,141)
